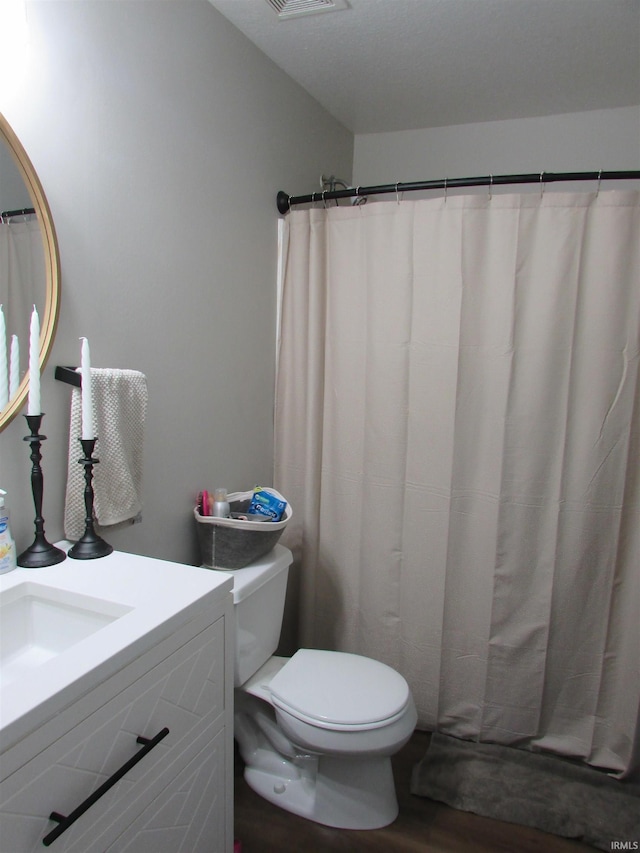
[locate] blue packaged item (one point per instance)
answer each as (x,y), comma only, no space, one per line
(264,502)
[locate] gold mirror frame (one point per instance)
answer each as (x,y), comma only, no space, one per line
(49,318)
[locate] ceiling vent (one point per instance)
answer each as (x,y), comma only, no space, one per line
(296,8)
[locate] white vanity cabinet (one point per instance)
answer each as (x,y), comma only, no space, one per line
(161,725)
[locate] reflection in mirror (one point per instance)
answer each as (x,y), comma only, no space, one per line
(29,270)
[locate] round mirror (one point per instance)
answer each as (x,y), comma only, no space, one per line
(29,267)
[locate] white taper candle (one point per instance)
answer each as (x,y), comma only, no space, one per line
(88,430)
(33,405)
(14,367)
(4,375)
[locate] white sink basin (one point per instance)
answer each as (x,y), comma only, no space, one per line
(38,622)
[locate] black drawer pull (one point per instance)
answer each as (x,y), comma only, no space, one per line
(65,822)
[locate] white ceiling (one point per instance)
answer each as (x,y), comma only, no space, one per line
(386,65)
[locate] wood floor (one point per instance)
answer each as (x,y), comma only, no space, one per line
(423,826)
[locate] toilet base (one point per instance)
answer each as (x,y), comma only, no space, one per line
(347,794)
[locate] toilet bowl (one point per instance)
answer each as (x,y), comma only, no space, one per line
(316,731)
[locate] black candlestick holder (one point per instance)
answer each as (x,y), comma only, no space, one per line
(90,546)
(41,553)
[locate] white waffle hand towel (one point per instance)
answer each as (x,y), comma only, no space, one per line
(119,411)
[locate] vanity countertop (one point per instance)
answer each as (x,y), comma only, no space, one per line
(155,598)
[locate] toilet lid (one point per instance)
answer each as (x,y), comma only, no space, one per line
(337,688)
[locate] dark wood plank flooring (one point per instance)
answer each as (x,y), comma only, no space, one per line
(423,826)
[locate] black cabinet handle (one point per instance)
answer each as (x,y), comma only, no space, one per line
(65,822)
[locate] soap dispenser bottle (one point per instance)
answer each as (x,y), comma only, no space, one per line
(7,545)
(221,506)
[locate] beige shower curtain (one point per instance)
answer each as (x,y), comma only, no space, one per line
(458,431)
(22,275)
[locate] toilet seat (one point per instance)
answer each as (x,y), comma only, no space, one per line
(339,691)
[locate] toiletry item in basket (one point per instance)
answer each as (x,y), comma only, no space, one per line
(221,507)
(7,545)
(264,502)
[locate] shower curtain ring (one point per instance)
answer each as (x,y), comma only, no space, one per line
(490,187)
(541,184)
(445,190)
(599,178)
(324,201)
(397,196)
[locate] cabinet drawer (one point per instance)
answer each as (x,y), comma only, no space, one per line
(190,814)
(184,693)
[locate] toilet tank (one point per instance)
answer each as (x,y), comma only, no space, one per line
(259,592)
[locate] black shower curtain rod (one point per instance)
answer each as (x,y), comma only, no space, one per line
(285,202)
(23,211)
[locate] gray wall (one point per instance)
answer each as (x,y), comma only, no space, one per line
(161,136)
(13,192)
(574,142)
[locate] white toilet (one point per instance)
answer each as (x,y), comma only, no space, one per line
(316,731)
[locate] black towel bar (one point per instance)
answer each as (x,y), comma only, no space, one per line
(69,375)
